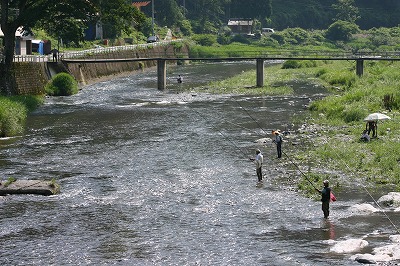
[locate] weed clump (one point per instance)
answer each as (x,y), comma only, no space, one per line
(62,84)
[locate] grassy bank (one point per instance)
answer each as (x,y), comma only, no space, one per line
(330,142)
(13,113)
(340,122)
(275,81)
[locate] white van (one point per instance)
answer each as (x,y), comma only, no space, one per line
(267,30)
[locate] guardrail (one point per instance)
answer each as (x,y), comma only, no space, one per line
(83,53)
(270,54)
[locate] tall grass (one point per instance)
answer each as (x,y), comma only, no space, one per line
(344,110)
(13,113)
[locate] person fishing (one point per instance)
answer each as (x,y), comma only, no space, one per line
(179,79)
(325,198)
(278,141)
(258,160)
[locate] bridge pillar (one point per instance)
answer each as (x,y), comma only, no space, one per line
(162,74)
(360,67)
(260,72)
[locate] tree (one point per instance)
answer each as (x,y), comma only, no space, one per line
(341,30)
(119,16)
(254,9)
(169,14)
(346,11)
(27,14)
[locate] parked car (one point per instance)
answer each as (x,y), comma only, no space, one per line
(267,30)
(152,39)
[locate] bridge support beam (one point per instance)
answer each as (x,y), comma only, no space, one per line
(360,67)
(260,72)
(162,74)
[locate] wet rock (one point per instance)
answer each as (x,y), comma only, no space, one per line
(349,246)
(38,187)
(364,208)
(395,238)
(384,254)
(263,140)
(392,199)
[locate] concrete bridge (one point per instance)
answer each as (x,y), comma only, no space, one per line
(259,58)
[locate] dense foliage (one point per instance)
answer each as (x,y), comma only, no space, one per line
(62,84)
(207,16)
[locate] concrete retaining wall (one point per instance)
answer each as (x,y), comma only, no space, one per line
(32,77)
(86,73)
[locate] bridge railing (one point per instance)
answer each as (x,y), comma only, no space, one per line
(312,54)
(32,58)
(103,50)
(83,53)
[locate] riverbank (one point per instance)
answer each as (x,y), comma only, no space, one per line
(327,140)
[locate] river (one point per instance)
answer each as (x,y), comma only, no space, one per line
(154,177)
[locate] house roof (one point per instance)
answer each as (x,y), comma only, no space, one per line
(240,22)
(19,33)
(140,4)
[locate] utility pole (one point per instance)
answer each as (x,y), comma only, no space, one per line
(152,16)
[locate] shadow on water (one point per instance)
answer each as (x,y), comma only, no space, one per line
(146,180)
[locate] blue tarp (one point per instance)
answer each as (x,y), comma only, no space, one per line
(41,50)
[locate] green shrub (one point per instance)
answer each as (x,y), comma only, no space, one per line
(291,64)
(353,114)
(341,30)
(31,102)
(62,84)
(12,117)
(205,39)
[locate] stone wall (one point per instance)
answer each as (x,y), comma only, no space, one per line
(32,77)
(86,73)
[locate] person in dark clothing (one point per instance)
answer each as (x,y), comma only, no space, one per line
(278,141)
(55,55)
(325,198)
(371,126)
(365,137)
(179,79)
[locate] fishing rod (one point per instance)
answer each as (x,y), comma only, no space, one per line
(391,222)
(235,124)
(219,131)
(365,188)
(312,184)
(258,124)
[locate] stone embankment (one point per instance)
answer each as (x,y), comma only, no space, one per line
(33,76)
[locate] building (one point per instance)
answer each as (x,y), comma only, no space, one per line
(23,42)
(140,4)
(240,26)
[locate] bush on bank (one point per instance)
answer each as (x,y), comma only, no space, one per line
(340,117)
(333,150)
(13,113)
(62,84)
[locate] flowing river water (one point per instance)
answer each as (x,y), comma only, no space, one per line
(154,177)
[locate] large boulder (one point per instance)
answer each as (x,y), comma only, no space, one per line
(392,199)
(349,246)
(381,254)
(364,208)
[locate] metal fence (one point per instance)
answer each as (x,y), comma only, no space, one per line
(83,53)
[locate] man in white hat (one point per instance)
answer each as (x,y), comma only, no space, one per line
(258,160)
